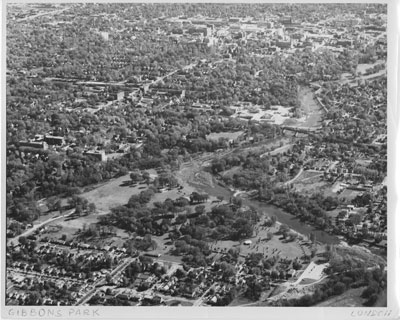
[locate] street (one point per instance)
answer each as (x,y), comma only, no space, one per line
(14,240)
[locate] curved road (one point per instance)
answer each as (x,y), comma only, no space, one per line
(296,177)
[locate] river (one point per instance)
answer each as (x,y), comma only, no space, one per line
(292,221)
(271,210)
(314,115)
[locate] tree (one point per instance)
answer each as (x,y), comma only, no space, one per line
(339,288)
(135,176)
(146,176)
(109,279)
(227,270)
(355,218)
(313,252)
(91,207)
(254,289)
(22,240)
(292,236)
(284,229)
(59,206)
(237,201)
(78,210)
(199,209)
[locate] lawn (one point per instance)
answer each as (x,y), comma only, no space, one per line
(225,135)
(272,247)
(70,227)
(311,184)
(113,193)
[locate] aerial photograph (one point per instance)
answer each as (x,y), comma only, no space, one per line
(196,154)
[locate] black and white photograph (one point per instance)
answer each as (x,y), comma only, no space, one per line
(196,154)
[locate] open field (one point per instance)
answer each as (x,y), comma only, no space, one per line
(362,67)
(272,247)
(225,135)
(70,228)
(280,150)
(310,182)
(112,193)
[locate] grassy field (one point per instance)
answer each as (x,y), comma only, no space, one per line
(311,182)
(272,247)
(226,135)
(112,193)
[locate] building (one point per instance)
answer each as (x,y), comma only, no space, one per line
(284,44)
(345,43)
(234,19)
(98,155)
(120,95)
(54,140)
(205,30)
(34,144)
(286,20)
(104,35)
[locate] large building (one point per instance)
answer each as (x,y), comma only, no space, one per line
(98,155)
(34,144)
(205,30)
(54,140)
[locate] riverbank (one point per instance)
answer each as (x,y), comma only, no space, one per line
(217,190)
(293,222)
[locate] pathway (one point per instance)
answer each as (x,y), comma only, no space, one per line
(38,226)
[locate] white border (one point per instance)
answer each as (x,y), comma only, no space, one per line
(391,312)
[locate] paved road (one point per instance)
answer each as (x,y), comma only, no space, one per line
(296,177)
(38,226)
(114,272)
(173,72)
(42,14)
(278,150)
(102,281)
(199,301)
